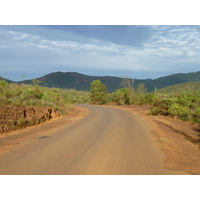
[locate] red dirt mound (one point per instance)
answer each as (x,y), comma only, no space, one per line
(15,117)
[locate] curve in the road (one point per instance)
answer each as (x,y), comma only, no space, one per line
(108,141)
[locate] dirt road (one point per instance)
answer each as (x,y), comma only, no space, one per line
(106,141)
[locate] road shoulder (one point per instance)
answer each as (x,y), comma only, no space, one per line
(179,140)
(12,139)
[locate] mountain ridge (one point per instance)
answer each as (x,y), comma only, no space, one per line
(78,81)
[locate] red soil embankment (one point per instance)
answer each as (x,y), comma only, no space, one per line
(15,117)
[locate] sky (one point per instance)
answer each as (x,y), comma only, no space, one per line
(136,51)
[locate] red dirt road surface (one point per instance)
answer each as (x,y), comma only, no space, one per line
(101,140)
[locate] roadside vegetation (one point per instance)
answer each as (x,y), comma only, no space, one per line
(35,95)
(180,101)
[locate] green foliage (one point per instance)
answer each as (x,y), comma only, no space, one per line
(36,82)
(123,96)
(119,97)
(180,89)
(98,92)
(130,95)
(148,99)
(179,111)
(35,95)
(3,83)
(140,94)
(181,101)
(4,86)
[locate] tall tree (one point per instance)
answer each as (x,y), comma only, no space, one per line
(98,92)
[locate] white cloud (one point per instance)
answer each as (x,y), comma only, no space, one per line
(165,47)
(174,43)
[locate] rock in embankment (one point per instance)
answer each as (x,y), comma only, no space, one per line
(15,117)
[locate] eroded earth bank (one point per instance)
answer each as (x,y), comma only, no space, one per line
(17,117)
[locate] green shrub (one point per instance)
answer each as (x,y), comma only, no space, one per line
(98,92)
(35,95)
(179,111)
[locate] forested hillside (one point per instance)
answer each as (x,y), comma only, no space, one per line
(74,80)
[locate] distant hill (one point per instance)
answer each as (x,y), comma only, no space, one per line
(173,79)
(7,80)
(74,80)
(180,88)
